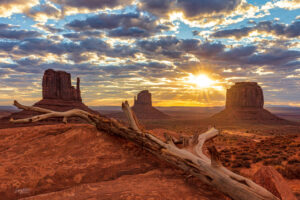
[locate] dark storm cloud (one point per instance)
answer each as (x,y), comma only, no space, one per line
(7,32)
(277,29)
(92,4)
(120,25)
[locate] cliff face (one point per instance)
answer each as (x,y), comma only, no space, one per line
(57,85)
(245,94)
(244,102)
(58,94)
(143,98)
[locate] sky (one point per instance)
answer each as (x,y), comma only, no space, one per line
(185,52)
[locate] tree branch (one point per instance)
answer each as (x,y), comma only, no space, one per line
(189,159)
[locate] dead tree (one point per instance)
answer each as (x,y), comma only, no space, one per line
(190,158)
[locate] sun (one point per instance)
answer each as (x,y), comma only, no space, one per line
(202,81)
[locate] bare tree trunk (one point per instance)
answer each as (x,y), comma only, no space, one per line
(190,158)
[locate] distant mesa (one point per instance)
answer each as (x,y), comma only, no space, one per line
(245,102)
(143,107)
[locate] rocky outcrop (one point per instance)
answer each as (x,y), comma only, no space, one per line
(270,179)
(57,85)
(143,98)
(58,95)
(245,94)
(244,102)
(143,107)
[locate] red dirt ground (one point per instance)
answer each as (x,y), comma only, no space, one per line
(78,162)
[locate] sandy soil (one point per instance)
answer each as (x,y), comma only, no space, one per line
(77,162)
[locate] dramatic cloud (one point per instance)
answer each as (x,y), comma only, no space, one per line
(44,12)
(119,47)
(201,13)
(6,31)
(120,25)
(8,7)
(268,27)
(85,6)
(194,8)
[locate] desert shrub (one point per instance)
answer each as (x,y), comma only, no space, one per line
(246,158)
(272,162)
(256,159)
(293,161)
(236,164)
(291,171)
(246,164)
(274,156)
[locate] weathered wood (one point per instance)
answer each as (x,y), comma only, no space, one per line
(190,158)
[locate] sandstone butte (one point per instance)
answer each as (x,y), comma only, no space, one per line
(245,102)
(58,94)
(143,107)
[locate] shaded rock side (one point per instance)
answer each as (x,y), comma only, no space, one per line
(57,85)
(245,95)
(58,95)
(143,107)
(270,179)
(244,102)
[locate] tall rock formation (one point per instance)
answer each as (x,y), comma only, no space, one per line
(143,107)
(244,102)
(144,98)
(245,94)
(57,85)
(58,94)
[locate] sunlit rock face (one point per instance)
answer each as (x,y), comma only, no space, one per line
(244,102)
(57,85)
(143,107)
(244,95)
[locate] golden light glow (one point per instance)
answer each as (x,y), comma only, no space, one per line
(201,81)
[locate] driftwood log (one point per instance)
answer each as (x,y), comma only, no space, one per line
(189,158)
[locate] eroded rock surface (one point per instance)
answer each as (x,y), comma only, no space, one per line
(58,95)
(57,85)
(244,102)
(270,179)
(62,162)
(244,95)
(143,107)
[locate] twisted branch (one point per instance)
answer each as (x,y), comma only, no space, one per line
(190,158)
